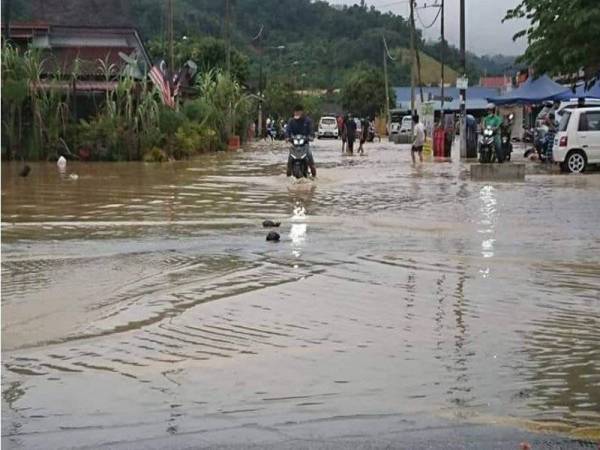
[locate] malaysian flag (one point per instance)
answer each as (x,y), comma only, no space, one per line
(159,76)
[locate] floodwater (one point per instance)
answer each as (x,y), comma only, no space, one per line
(141,302)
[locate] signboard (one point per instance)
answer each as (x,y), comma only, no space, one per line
(462,83)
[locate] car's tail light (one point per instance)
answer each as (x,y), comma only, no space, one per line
(563,141)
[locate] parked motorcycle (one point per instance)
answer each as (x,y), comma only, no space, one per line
(298,157)
(487,147)
(540,141)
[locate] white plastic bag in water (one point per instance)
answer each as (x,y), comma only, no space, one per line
(62,163)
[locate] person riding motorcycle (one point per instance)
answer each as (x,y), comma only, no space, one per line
(299,124)
(494,121)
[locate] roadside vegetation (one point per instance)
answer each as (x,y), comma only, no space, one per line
(130,123)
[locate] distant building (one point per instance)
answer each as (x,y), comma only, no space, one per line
(476,98)
(496,82)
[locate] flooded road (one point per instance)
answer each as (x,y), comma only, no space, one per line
(141,303)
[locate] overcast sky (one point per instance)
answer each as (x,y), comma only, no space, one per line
(485,32)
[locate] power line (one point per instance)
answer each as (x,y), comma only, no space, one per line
(387,50)
(426,27)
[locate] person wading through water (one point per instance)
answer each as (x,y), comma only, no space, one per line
(419,132)
(364,135)
(350,133)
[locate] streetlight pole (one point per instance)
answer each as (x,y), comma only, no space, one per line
(387,88)
(258,38)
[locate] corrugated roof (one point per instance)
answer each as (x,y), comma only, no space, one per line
(476,97)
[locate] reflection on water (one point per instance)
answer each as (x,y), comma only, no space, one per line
(395,290)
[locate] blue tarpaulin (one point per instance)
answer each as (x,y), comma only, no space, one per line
(532,91)
(581,92)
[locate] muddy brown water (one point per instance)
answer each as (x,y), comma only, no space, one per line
(142,300)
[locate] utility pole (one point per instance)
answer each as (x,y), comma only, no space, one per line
(412,54)
(387,88)
(6,20)
(442,58)
(463,91)
(171,38)
(228,35)
(260,82)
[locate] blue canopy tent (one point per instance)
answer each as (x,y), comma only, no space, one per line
(531,92)
(581,92)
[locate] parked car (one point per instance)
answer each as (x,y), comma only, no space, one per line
(577,143)
(327,127)
(572,104)
(406,126)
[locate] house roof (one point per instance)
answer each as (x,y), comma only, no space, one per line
(476,97)
(497,82)
(65,47)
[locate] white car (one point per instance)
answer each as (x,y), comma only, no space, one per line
(577,142)
(406,127)
(327,127)
(570,104)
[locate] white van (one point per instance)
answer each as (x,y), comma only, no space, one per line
(577,142)
(327,127)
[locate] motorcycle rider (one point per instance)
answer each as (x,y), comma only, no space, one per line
(300,124)
(494,121)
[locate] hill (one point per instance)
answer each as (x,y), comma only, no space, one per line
(308,42)
(430,67)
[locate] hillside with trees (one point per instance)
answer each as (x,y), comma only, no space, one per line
(306,43)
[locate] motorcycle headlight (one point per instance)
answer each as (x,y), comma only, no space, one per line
(487,132)
(297,142)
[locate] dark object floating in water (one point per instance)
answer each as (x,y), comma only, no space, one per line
(25,171)
(271,224)
(273,236)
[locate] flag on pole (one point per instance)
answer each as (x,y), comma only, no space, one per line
(159,76)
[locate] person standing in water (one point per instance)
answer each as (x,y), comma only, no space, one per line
(419,133)
(350,133)
(364,134)
(343,132)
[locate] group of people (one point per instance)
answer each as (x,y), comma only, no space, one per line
(274,129)
(348,131)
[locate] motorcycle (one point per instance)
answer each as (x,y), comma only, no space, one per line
(505,137)
(540,141)
(487,146)
(299,156)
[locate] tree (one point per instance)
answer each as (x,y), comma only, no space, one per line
(562,37)
(207,52)
(280,100)
(363,92)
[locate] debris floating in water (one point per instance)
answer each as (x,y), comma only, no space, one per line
(270,224)
(25,171)
(62,163)
(273,236)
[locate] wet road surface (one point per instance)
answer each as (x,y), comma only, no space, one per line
(142,307)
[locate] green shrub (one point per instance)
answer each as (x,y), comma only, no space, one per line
(155,154)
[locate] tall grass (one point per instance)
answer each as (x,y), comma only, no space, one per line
(129,123)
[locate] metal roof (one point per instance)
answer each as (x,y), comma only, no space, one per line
(476,97)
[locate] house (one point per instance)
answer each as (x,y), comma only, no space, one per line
(77,50)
